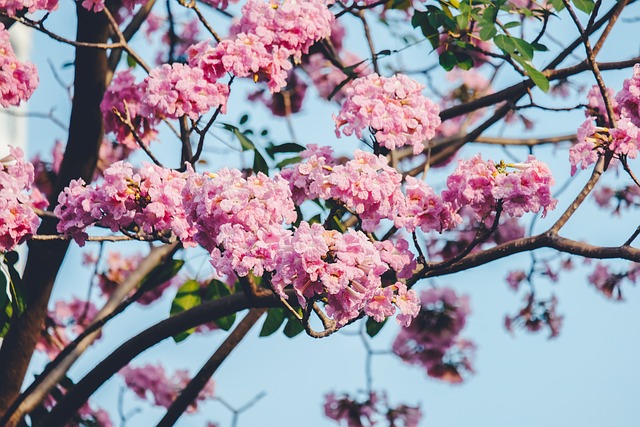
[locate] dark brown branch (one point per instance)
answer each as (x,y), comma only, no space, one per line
(191,391)
(85,137)
(186,320)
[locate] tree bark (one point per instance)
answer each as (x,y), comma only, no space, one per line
(45,258)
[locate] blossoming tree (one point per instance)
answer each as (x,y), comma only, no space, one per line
(319,236)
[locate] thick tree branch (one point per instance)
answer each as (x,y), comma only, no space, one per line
(85,136)
(191,318)
(191,391)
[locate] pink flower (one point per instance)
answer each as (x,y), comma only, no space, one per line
(124,91)
(18,220)
(176,90)
(18,79)
(393,108)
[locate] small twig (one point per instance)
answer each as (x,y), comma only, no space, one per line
(127,122)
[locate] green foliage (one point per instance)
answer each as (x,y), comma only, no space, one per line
(13,297)
(275,319)
(374,327)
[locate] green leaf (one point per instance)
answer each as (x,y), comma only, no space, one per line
(374,327)
(341,85)
(585,5)
(524,48)
(558,5)
(188,296)
(16,287)
(6,311)
(538,78)
(464,61)
(448,60)
(462,20)
(131,62)
(161,274)
(244,119)
(487,32)
(245,142)
(259,163)
(287,147)
(216,290)
(505,43)
(539,47)
(285,162)
(511,24)
(293,327)
(275,319)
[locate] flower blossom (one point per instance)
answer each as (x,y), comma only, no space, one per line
(149,200)
(264,39)
(176,90)
(122,92)
(153,380)
(432,340)
(392,107)
(18,79)
(347,268)
(18,220)
(480,185)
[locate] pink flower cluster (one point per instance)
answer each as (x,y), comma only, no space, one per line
(347,268)
(124,90)
(264,39)
(625,197)
(370,411)
(621,141)
(10,7)
(176,90)
(596,106)
(326,76)
(239,220)
(153,380)
(392,107)
(481,185)
(149,200)
(609,284)
(432,341)
(119,267)
(18,79)
(628,99)
(66,321)
(18,220)
(369,187)
(535,315)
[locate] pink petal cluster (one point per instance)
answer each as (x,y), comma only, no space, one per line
(176,90)
(610,284)
(480,186)
(149,200)
(66,321)
(369,411)
(628,98)
(290,25)
(264,39)
(432,340)
(239,220)
(18,79)
(593,141)
(17,221)
(425,209)
(392,107)
(124,90)
(286,102)
(11,7)
(366,185)
(151,381)
(219,4)
(535,315)
(596,106)
(326,76)
(347,268)
(118,269)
